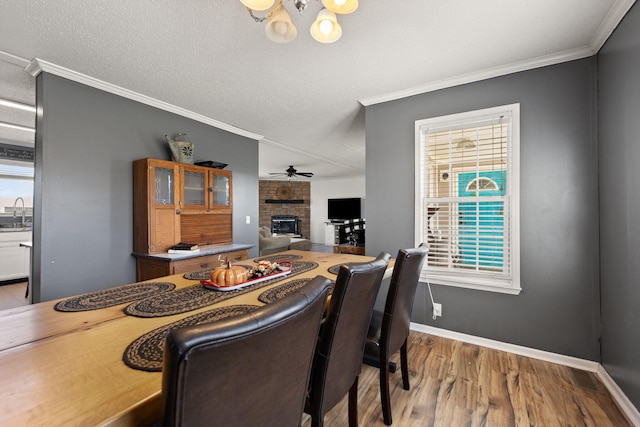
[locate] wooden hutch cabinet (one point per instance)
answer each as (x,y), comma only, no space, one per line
(156,220)
(205,190)
(176,202)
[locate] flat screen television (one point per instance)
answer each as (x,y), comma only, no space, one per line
(341,209)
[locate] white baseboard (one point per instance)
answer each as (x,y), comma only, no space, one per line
(620,398)
(618,395)
(574,362)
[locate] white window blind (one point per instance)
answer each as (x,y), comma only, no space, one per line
(8,170)
(467,198)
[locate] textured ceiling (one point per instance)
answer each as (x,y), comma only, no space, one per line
(209,57)
(18,86)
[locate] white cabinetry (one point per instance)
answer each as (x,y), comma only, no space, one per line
(331,233)
(14,259)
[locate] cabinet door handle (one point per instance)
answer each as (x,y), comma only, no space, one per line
(204,265)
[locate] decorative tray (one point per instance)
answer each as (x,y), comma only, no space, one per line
(284,265)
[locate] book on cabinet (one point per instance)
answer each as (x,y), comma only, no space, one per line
(184,246)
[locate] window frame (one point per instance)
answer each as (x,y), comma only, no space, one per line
(460,277)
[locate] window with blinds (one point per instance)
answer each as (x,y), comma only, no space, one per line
(15,181)
(16,172)
(467,198)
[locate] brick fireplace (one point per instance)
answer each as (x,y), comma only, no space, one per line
(285,198)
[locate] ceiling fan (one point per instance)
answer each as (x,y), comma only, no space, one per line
(291,172)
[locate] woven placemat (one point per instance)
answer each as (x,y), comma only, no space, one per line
(206,273)
(113,296)
(146,352)
(335,268)
(197,296)
(278,258)
(281,291)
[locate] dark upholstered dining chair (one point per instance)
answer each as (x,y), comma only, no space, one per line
(389,330)
(338,359)
(249,370)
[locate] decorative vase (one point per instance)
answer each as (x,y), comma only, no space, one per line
(181,148)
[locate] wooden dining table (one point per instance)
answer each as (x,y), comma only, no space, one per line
(66,368)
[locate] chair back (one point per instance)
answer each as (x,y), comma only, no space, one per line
(249,370)
(338,358)
(399,303)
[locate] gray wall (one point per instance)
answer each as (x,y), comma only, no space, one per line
(557,310)
(619,142)
(86,142)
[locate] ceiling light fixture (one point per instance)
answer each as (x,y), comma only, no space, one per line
(18,105)
(280,29)
(12,126)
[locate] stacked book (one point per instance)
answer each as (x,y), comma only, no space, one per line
(184,248)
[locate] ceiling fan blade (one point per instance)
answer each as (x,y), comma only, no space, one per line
(291,172)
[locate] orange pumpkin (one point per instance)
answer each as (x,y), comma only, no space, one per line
(229,275)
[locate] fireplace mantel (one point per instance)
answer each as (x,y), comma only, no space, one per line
(284,202)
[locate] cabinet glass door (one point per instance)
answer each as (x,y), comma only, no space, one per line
(194,188)
(164,186)
(221,191)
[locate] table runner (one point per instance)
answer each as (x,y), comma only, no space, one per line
(278,258)
(113,296)
(206,273)
(146,352)
(197,296)
(281,291)
(334,269)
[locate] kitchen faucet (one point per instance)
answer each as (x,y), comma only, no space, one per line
(23,209)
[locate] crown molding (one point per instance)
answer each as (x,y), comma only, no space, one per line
(38,66)
(607,26)
(488,73)
(13,59)
(610,23)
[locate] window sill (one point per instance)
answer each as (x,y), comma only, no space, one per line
(469,283)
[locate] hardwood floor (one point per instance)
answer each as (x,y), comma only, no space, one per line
(12,296)
(458,384)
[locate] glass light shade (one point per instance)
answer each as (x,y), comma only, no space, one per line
(279,27)
(325,28)
(341,6)
(258,4)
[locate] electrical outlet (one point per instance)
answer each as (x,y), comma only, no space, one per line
(437,309)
